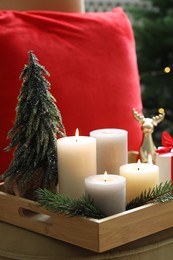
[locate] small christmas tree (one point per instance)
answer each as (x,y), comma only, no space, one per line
(34,135)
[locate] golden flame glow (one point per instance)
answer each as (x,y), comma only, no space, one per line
(105,176)
(77,132)
(150,158)
(139,164)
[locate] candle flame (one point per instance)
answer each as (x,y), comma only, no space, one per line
(150,159)
(77,134)
(139,163)
(105,176)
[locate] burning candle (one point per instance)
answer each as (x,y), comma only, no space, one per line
(108,192)
(139,177)
(112,151)
(76,161)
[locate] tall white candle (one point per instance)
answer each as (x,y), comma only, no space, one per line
(112,149)
(76,161)
(139,177)
(109,194)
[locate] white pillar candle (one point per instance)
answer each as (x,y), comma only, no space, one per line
(139,177)
(109,194)
(112,149)
(76,160)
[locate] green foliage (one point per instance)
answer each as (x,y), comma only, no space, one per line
(161,193)
(152,23)
(37,123)
(84,206)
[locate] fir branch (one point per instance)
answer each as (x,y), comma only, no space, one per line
(55,202)
(161,193)
(84,206)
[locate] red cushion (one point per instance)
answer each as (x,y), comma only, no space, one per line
(91,59)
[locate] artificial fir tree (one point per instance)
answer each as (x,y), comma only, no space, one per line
(152,21)
(34,135)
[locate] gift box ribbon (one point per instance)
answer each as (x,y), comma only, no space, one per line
(167,143)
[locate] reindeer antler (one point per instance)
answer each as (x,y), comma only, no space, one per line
(139,117)
(157,119)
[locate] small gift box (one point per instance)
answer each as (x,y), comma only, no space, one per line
(164,158)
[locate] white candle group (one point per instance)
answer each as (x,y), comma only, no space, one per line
(77,168)
(108,193)
(139,177)
(112,149)
(76,161)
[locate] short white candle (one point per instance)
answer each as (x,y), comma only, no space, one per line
(109,194)
(139,177)
(112,149)
(76,161)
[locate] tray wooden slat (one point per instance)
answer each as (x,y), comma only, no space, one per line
(96,235)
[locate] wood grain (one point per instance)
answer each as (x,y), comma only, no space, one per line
(96,235)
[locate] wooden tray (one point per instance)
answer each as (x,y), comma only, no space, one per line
(96,235)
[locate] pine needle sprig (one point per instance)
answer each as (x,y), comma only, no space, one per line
(55,202)
(161,193)
(84,206)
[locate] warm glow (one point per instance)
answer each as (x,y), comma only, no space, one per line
(139,163)
(105,176)
(77,134)
(150,158)
(167,69)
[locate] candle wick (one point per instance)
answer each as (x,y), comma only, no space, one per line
(104,180)
(138,168)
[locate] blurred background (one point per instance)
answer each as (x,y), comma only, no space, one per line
(152,22)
